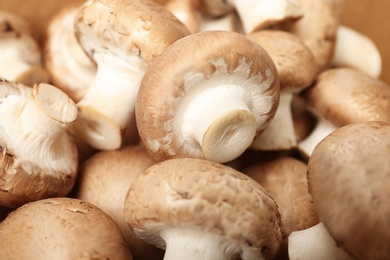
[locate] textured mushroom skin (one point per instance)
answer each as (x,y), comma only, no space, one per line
(211,197)
(61,228)
(349,176)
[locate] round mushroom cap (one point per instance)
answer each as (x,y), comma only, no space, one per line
(61,228)
(346,95)
(126,28)
(294,61)
(349,176)
(206,196)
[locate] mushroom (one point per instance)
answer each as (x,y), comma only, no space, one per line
(359,98)
(296,66)
(318,28)
(286,181)
(229,22)
(353,49)
(349,176)
(69,67)
(104,180)
(61,229)
(38,158)
(186,11)
(124,39)
(20,53)
(198,209)
(207,102)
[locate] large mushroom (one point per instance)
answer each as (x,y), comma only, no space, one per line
(122,37)
(198,209)
(38,158)
(207,102)
(61,229)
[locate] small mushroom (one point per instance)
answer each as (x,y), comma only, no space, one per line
(198,209)
(69,67)
(342,96)
(104,180)
(20,52)
(61,229)
(296,66)
(122,37)
(229,22)
(186,11)
(349,176)
(38,158)
(207,102)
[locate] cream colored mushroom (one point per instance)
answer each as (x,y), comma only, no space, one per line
(207,102)
(124,39)
(198,209)
(229,22)
(69,67)
(186,11)
(19,50)
(61,229)
(38,158)
(104,180)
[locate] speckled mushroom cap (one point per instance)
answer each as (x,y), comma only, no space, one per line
(197,194)
(231,75)
(294,61)
(345,95)
(61,228)
(349,176)
(139,27)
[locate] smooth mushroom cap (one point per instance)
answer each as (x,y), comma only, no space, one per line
(207,102)
(349,176)
(104,180)
(61,228)
(200,195)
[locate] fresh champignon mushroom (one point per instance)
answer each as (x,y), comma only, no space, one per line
(318,28)
(229,22)
(342,96)
(20,52)
(122,37)
(186,11)
(38,158)
(69,67)
(61,229)
(207,102)
(314,243)
(353,49)
(304,120)
(285,178)
(296,66)
(104,180)
(198,209)
(349,176)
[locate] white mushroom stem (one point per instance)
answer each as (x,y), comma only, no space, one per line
(219,119)
(356,50)
(323,128)
(280,134)
(197,245)
(314,243)
(107,108)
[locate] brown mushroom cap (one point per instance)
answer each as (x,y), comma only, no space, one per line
(345,95)
(231,63)
(201,195)
(61,228)
(104,180)
(349,176)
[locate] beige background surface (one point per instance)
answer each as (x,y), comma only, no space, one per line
(367,16)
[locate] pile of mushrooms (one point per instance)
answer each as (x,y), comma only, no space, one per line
(193,129)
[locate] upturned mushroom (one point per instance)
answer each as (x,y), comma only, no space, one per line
(104,180)
(342,96)
(69,67)
(61,229)
(21,58)
(296,66)
(349,176)
(123,40)
(38,158)
(198,209)
(207,102)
